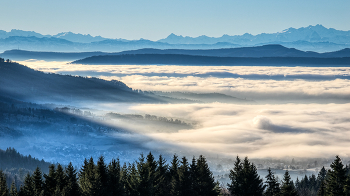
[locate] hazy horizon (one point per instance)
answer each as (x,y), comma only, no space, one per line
(165,36)
(157,19)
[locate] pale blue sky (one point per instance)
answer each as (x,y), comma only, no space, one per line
(156,19)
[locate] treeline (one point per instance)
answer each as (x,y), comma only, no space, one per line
(10,158)
(12,110)
(3,60)
(146,176)
(245,181)
(15,165)
(146,117)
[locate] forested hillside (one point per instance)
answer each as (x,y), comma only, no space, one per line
(15,166)
(24,83)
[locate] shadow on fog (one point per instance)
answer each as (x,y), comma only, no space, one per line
(58,133)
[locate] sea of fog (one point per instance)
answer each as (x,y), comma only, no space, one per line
(299,112)
(261,84)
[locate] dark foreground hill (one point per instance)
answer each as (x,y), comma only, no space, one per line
(21,82)
(254,52)
(179,59)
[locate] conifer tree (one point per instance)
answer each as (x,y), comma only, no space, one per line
(322,175)
(101,178)
(133,181)
(72,188)
(236,177)
(347,186)
(174,180)
(245,179)
(124,179)
(162,177)
(50,181)
(194,177)
(82,176)
(87,177)
(272,188)
(37,181)
(297,183)
(252,184)
(13,190)
(207,184)
(184,178)
(313,185)
(27,189)
(60,178)
(151,166)
(322,190)
(287,188)
(337,178)
(115,184)
(145,184)
(4,191)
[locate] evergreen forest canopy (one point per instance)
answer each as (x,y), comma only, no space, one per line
(148,176)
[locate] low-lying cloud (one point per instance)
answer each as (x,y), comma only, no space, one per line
(261,84)
(257,131)
(286,119)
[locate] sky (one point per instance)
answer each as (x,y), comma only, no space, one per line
(156,19)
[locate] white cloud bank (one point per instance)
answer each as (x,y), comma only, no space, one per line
(323,84)
(299,130)
(259,130)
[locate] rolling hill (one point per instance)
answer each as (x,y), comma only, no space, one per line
(179,59)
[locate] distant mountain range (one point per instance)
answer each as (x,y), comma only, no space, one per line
(61,45)
(254,52)
(312,38)
(69,36)
(316,33)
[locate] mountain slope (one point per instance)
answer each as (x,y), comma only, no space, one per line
(21,82)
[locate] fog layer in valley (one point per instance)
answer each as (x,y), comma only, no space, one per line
(261,84)
(303,114)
